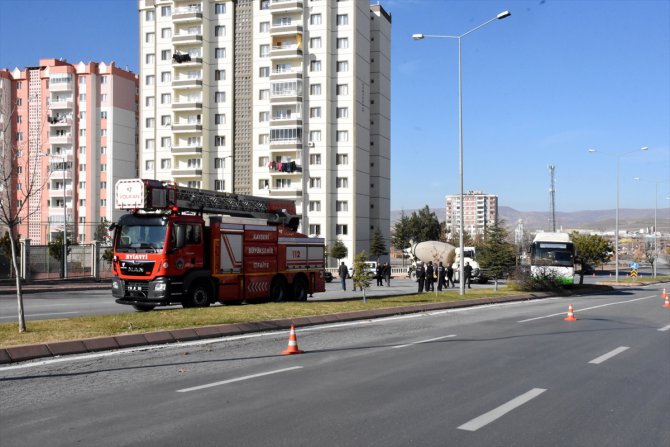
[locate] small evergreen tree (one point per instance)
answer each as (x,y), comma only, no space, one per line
(56,250)
(591,250)
(496,255)
(361,278)
(378,245)
(339,250)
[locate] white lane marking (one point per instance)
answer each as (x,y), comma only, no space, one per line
(486,418)
(237,379)
(609,355)
(664,328)
(589,308)
(422,341)
(39,315)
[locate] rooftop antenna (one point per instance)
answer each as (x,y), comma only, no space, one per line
(552,197)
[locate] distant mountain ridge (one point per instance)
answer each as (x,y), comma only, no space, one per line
(598,220)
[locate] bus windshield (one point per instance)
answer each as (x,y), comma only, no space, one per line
(141,238)
(553,254)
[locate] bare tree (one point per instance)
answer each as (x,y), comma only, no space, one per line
(19,181)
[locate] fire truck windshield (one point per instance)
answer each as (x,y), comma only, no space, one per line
(141,238)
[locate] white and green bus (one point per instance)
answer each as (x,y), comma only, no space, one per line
(553,254)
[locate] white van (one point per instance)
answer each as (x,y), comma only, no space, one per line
(370,268)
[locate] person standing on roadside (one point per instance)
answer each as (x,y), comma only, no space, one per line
(430,272)
(420,275)
(343,271)
(379,272)
(450,276)
(441,274)
(467,272)
(387,274)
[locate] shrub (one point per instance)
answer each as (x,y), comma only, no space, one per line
(545,281)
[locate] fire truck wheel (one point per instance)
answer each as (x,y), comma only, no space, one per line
(278,290)
(143,307)
(300,290)
(199,295)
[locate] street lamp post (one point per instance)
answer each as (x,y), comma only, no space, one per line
(616,219)
(637,179)
(502,15)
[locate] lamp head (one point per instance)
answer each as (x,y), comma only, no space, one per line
(417,36)
(645,148)
(591,151)
(503,14)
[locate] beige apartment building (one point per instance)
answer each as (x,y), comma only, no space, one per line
(278,98)
(73,131)
(479,211)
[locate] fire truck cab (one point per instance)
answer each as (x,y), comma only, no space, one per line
(166,253)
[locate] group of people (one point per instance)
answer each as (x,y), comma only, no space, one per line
(427,275)
(382,274)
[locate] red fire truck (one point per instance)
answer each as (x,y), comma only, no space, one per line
(165,253)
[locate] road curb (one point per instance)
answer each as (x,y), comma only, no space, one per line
(16,354)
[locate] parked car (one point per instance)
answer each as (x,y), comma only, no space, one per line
(370,268)
(328,276)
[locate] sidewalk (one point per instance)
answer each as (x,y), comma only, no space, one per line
(9,288)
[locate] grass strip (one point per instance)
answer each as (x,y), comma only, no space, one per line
(77,328)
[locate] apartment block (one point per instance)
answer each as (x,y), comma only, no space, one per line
(479,211)
(74,134)
(278,98)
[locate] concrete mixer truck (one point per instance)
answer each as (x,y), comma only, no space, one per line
(437,252)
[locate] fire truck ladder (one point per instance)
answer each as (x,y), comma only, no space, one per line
(202,201)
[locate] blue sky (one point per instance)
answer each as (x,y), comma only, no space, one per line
(541,87)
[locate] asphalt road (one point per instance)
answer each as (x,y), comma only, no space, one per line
(503,375)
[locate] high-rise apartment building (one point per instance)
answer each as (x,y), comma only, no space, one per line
(73,132)
(278,98)
(479,211)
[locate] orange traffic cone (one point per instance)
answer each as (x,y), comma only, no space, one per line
(292,344)
(665,297)
(571,315)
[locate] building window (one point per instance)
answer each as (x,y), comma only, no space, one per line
(166,55)
(315,42)
(166,141)
(193,163)
(265,4)
(315,112)
(342,112)
(341,206)
(219,97)
(150,16)
(314,159)
(194,184)
(103,149)
(103,115)
(166,11)
(263,138)
(264,94)
(220,53)
(149,101)
(149,37)
(315,66)
(166,33)
(219,163)
(342,182)
(149,123)
(219,140)
(314,135)
(315,89)
(149,144)
(219,185)
(342,19)
(315,182)
(341,230)
(315,229)
(263,183)
(150,80)
(264,27)
(150,58)
(149,165)
(166,76)
(264,50)
(342,66)
(166,163)
(342,136)
(219,30)
(220,8)
(263,117)
(315,205)
(282,183)
(219,75)
(342,43)
(166,120)
(166,98)
(342,89)
(220,118)
(342,159)
(315,19)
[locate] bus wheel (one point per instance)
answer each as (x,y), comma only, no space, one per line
(278,290)
(199,296)
(143,307)
(300,289)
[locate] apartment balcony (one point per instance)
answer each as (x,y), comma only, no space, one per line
(293,192)
(186,127)
(186,150)
(187,83)
(187,39)
(186,105)
(184,61)
(286,51)
(286,74)
(56,216)
(187,14)
(282,29)
(284,6)
(293,120)
(60,174)
(60,86)
(187,173)
(59,193)
(58,105)
(60,122)
(60,139)
(289,169)
(287,97)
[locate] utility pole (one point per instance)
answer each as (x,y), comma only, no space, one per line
(552,197)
